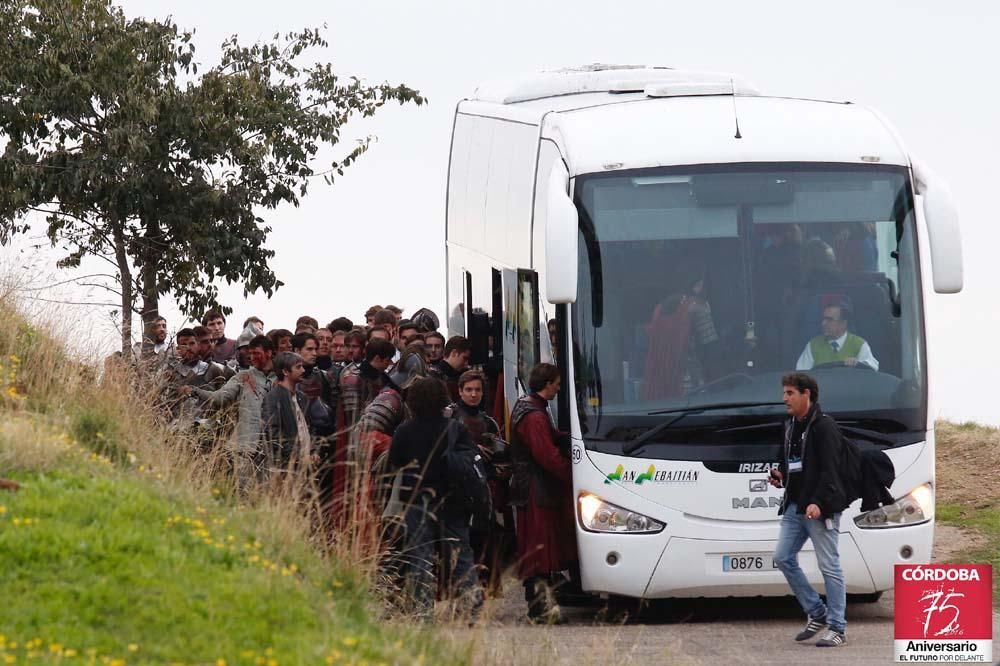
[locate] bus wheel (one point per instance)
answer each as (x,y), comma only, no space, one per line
(868,598)
(619,610)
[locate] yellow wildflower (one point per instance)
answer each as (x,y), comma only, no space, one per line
(350,641)
(132,647)
(70,652)
(3,509)
(9,659)
(220,662)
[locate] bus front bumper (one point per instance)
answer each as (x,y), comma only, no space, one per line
(661,565)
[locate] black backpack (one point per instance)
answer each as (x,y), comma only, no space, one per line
(851,474)
(467,477)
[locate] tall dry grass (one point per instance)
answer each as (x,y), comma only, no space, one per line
(50,393)
(121,413)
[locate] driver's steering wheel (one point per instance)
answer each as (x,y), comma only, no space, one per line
(840,364)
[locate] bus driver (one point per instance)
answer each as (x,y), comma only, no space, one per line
(836,345)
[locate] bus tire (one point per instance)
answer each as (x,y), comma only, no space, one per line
(619,610)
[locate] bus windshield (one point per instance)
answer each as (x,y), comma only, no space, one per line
(703,286)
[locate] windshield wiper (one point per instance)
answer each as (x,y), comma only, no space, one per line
(870,435)
(635,444)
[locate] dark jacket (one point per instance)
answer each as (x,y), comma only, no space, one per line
(416,447)
(449,375)
(281,431)
(877,474)
(821,483)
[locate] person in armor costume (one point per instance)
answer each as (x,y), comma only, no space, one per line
(247,388)
(457,352)
(379,422)
(188,369)
(490,541)
(204,337)
(158,350)
(281,338)
(359,384)
(223,349)
(542,491)
(425,320)
(386,411)
(324,338)
(319,389)
(315,385)
(242,360)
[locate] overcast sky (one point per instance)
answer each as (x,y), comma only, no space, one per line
(930,67)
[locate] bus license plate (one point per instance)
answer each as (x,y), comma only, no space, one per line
(748,562)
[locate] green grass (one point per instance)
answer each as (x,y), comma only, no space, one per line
(985,522)
(113,563)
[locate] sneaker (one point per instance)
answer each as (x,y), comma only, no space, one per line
(813,627)
(832,638)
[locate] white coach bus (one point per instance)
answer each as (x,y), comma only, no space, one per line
(676,242)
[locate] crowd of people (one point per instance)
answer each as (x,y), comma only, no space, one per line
(384,424)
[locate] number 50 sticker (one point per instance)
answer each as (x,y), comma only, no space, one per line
(577,454)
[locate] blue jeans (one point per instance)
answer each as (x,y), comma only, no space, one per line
(795,529)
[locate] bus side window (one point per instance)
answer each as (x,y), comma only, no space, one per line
(528,351)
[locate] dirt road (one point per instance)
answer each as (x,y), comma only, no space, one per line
(740,631)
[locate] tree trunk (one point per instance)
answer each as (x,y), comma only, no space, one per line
(125,277)
(150,283)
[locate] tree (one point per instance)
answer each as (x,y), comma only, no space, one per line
(136,159)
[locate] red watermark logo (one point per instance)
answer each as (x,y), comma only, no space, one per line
(944,613)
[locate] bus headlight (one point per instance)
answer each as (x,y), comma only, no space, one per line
(596,515)
(917,507)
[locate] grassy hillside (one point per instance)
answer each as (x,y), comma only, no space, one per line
(968,491)
(119,548)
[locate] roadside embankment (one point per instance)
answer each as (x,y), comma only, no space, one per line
(118,547)
(968,493)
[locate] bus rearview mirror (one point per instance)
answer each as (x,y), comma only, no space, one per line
(561,228)
(943,232)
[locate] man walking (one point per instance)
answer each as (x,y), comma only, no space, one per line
(814,499)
